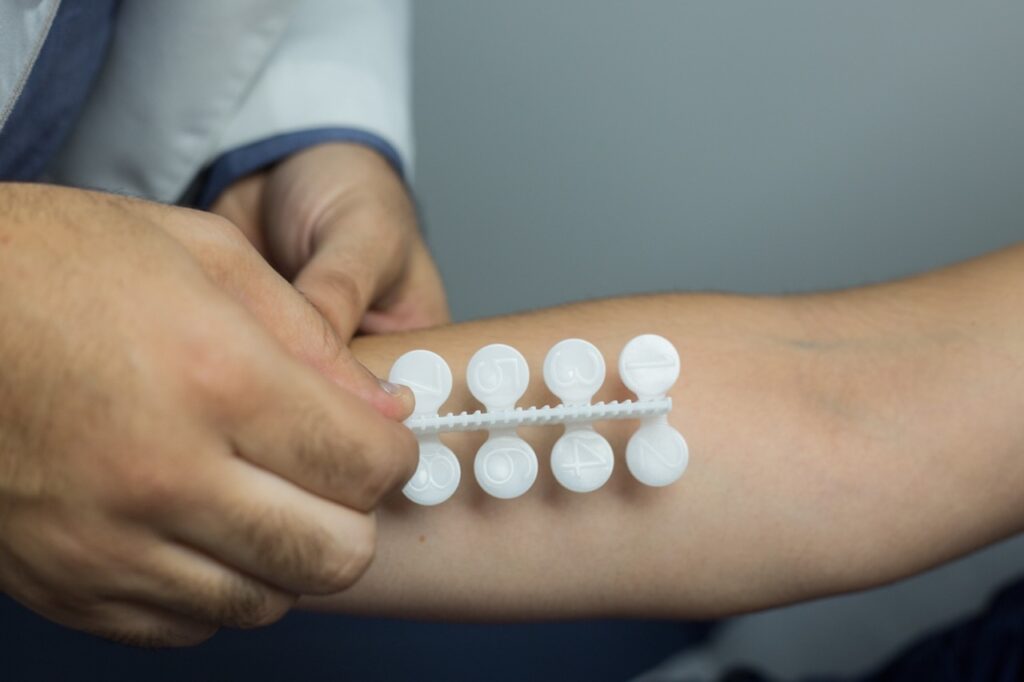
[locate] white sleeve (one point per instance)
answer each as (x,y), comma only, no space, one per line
(340,64)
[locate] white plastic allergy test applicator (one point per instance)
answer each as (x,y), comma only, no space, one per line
(582,460)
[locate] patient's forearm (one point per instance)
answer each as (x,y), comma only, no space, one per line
(836,441)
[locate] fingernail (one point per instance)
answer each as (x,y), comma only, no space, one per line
(406,400)
(389,387)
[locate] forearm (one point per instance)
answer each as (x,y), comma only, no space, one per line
(837,441)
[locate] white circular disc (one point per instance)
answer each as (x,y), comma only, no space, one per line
(497,376)
(429,377)
(437,475)
(505,467)
(657,455)
(649,365)
(582,461)
(574,371)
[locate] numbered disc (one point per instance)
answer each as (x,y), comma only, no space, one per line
(574,371)
(437,475)
(657,455)
(649,366)
(505,467)
(497,376)
(582,460)
(429,377)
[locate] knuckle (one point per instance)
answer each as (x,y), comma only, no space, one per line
(213,239)
(327,457)
(334,290)
(377,480)
(217,232)
(274,609)
(165,635)
(150,631)
(211,368)
(357,469)
(359,548)
(345,286)
(193,635)
(158,490)
(296,553)
(302,555)
(253,606)
(394,462)
(407,453)
(321,454)
(145,487)
(90,555)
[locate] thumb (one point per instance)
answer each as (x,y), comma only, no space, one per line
(339,289)
(355,257)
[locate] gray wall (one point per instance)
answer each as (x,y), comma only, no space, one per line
(583,148)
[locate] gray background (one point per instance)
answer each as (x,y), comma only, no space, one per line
(579,148)
(575,149)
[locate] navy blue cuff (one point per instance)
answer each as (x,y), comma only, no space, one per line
(241,161)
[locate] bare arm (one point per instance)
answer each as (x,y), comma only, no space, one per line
(837,441)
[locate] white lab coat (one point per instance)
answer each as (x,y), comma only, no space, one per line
(186,80)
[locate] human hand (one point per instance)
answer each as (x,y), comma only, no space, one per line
(166,466)
(338,221)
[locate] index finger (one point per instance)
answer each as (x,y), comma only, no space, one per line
(324,440)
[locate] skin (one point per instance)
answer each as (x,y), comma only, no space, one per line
(838,441)
(182,441)
(338,222)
